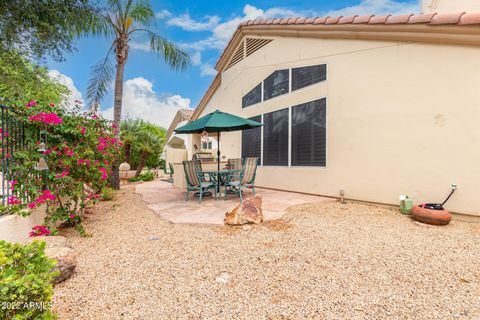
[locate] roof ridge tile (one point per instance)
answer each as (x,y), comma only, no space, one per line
(458,18)
(320,20)
(348,19)
(470,18)
(404,18)
(363,19)
(447,18)
(333,20)
(379,19)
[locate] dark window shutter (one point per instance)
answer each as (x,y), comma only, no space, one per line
(254,96)
(275,138)
(251,141)
(306,76)
(275,84)
(309,123)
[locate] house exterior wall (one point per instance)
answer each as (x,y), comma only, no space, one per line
(175,155)
(443,6)
(401,118)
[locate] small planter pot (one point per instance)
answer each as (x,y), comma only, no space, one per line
(436,217)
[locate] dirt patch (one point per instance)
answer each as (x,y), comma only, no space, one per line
(326,260)
(278,225)
(228,230)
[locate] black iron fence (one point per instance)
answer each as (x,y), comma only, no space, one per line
(13,134)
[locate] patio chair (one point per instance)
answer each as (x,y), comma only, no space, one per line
(247,178)
(235,164)
(169,172)
(196,182)
(170,165)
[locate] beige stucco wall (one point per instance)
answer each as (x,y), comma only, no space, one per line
(174,155)
(401,118)
(443,6)
(14,228)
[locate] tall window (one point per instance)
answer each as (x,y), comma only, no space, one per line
(275,138)
(309,133)
(254,96)
(276,84)
(251,141)
(306,76)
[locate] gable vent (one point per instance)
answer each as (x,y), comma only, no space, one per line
(246,48)
(237,56)
(255,44)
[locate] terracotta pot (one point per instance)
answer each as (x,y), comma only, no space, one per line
(437,217)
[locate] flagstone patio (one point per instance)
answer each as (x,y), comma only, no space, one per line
(169,202)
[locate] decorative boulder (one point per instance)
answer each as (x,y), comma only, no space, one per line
(66,262)
(249,211)
(437,217)
(59,248)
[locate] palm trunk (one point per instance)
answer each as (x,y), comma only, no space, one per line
(127,152)
(141,163)
(117,114)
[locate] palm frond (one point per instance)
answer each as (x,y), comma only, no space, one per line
(173,55)
(101,76)
(97,23)
(142,12)
(116,6)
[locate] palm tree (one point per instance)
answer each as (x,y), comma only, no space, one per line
(147,143)
(129,130)
(121,19)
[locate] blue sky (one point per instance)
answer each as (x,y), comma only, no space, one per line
(202,28)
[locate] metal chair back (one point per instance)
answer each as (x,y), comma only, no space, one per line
(235,164)
(249,170)
(191,176)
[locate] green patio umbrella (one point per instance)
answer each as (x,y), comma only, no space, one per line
(218,121)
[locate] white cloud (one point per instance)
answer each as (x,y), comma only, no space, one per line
(75,97)
(196,58)
(378,7)
(207,70)
(145,46)
(141,101)
(185,22)
(223,31)
(163,14)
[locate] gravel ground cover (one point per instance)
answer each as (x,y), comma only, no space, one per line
(325,261)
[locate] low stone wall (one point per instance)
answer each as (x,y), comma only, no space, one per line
(125,175)
(14,228)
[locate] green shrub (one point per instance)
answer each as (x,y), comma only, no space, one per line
(25,281)
(145,176)
(134,179)
(107,194)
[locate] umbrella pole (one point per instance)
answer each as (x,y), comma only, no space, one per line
(218,161)
(218,151)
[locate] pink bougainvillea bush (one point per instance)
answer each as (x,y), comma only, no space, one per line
(78,149)
(38,231)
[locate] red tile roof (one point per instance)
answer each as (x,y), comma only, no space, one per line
(459,18)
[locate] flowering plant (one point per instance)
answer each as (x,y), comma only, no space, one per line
(78,150)
(38,231)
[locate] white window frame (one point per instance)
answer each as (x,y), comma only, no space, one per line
(261,139)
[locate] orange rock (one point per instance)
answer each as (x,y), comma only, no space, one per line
(437,217)
(249,211)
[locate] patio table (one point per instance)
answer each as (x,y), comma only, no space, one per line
(219,176)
